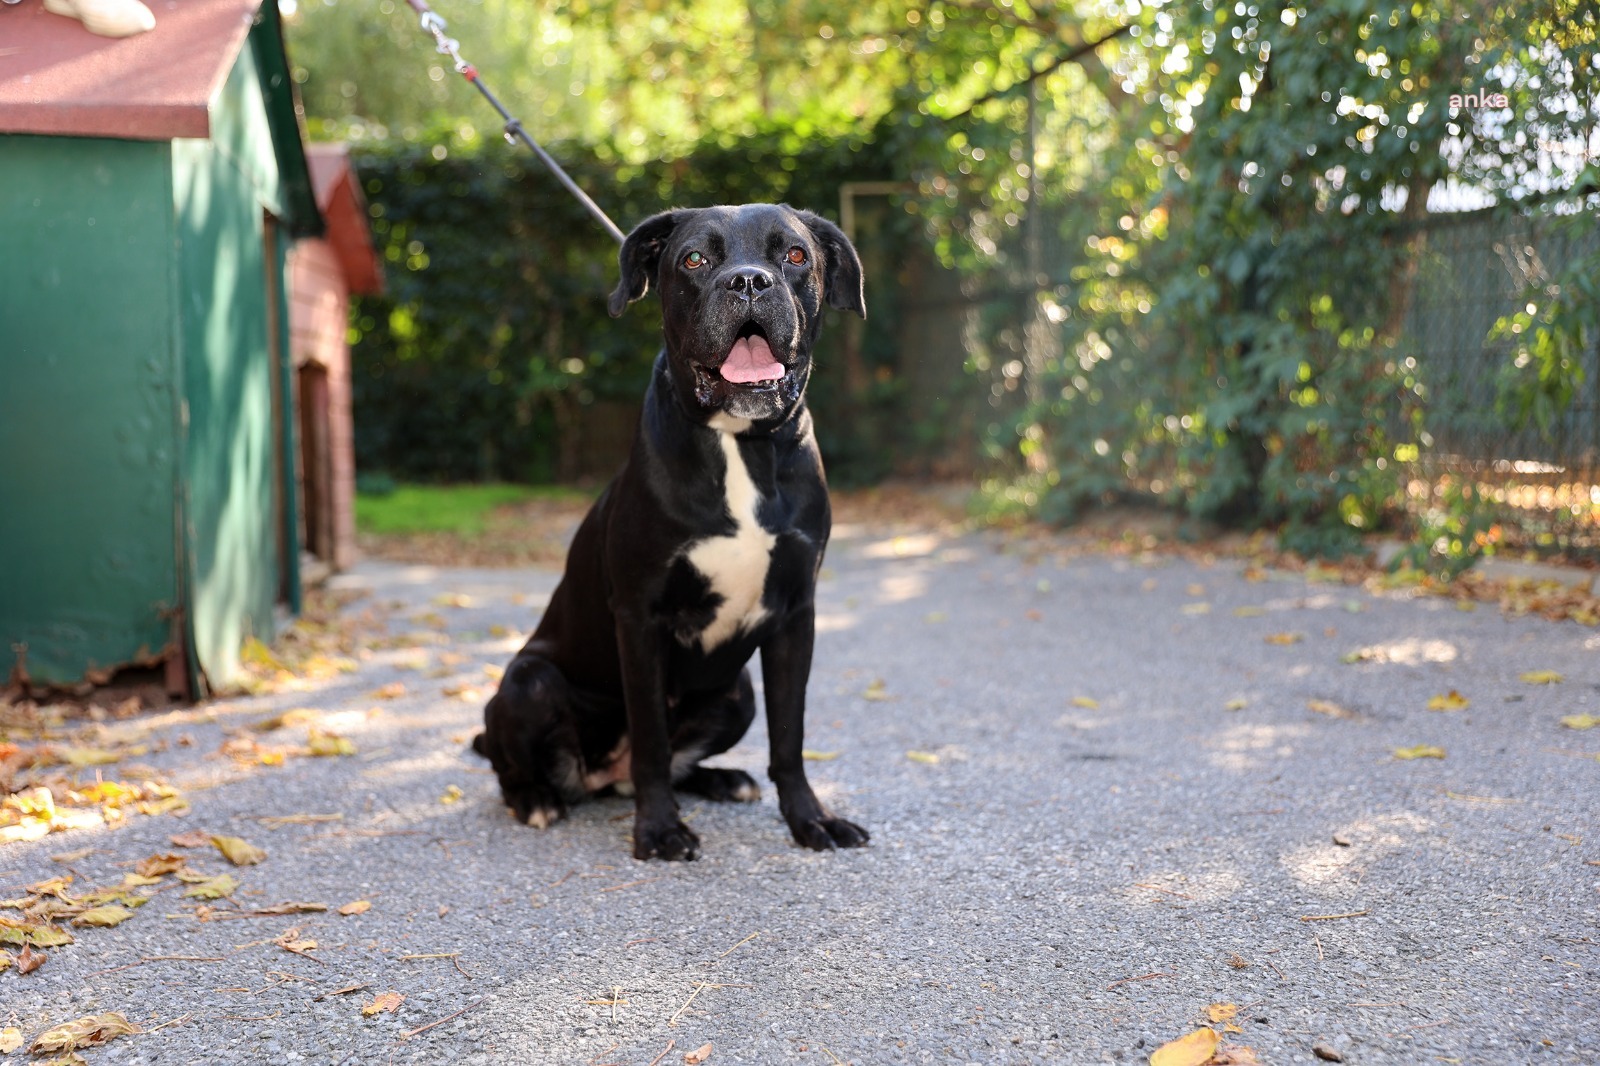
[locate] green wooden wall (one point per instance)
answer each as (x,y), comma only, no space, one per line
(89,406)
(233,381)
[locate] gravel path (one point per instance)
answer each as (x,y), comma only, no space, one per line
(1105,793)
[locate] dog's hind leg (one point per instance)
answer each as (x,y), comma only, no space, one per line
(529,741)
(710,728)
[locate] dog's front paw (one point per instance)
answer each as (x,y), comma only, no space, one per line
(672,841)
(826,833)
(533,804)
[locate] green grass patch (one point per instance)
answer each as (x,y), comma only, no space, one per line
(460,509)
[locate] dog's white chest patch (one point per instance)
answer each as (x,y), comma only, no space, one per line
(735,565)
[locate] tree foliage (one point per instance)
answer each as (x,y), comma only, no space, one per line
(1187,232)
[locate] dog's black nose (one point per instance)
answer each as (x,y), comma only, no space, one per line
(749,282)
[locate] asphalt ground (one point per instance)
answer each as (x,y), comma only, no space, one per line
(1111,797)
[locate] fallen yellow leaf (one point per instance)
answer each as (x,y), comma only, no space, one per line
(11,1036)
(1542,677)
(1222,1012)
(877,690)
(81,757)
(1235,705)
(1449,701)
(84,1032)
(1248,612)
(212,888)
(1421,751)
(356,906)
(452,794)
(392,691)
(255,653)
(927,757)
(157,865)
(319,742)
(1086,701)
(1329,708)
(5,963)
(1580,721)
(74,856)
(1191,1050)
(383,1001)
(287,718)
(819,756)
(1284,638)
(103,916)
(1196,608)
(238,851)
(37,934)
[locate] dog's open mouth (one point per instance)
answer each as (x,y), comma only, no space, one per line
(750,361)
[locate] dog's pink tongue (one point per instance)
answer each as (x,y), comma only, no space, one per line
(751,360)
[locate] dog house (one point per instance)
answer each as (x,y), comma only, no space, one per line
(153,187)
(324,272)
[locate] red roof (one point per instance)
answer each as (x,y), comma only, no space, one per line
(58,78)
(345,211)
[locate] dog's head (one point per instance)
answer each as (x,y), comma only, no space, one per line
(742,291)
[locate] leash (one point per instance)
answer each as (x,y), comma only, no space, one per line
(433,24)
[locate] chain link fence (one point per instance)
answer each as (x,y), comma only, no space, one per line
(1541,485)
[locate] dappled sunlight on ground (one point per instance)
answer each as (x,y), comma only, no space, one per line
(1248,747)
(1354,847)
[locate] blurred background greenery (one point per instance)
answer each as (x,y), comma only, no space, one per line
(1275,265)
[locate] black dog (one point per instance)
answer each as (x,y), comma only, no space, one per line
(702,550)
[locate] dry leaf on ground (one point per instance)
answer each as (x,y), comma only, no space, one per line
(698,1055)
(877,690)
(819,756)
(1329,708)
(29,960)
(452,794)
(38,934)
(383,1001)
(194,838)
(357,906)
(925,757)
(1087,702)
(1581,721)
(158,865)
(1542,677)
(1284,638)
(212,888)
(1191,1050)
(84,1032)
(1449,701)
(319,742)
(1222,1012)
(1234,1055)
(10,1039)
(106,916)
(1421,751)
(238,851)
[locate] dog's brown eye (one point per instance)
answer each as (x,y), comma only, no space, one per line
(797,256)
(694,260)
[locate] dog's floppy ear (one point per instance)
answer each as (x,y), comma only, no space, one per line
(640,255)
(841,275)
